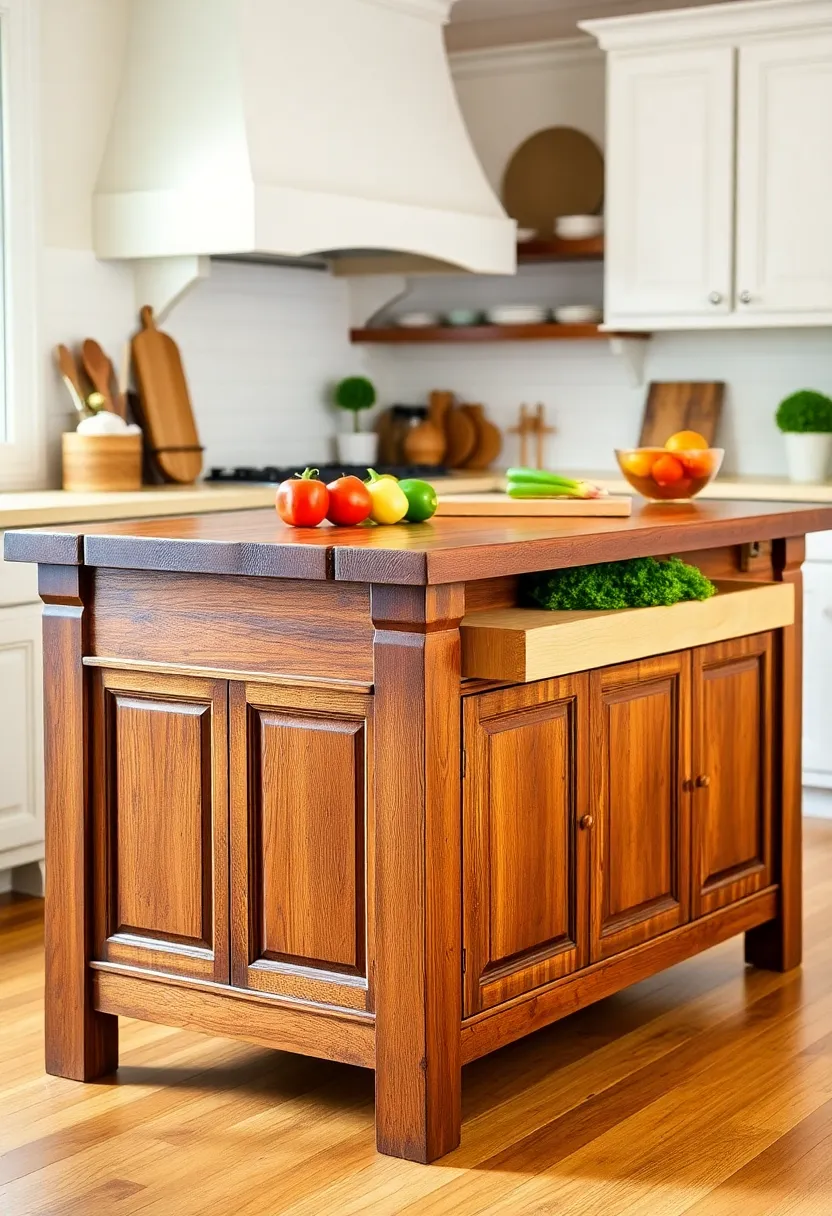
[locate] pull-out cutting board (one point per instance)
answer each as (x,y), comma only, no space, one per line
(501,506)
(167,417)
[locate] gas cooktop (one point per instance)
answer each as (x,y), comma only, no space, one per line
(272,475)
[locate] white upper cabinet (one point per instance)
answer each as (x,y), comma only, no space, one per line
(719,166)
(784,176)
(670,184)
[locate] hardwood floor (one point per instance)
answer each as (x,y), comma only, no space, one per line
(706,1090)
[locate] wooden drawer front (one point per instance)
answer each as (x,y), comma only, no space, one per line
(732,722)
(299,843)
(525,857)
(160,811)
(639,761)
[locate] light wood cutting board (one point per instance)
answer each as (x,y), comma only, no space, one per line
(167,416)
(502,507)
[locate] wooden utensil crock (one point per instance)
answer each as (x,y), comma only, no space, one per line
(100,463)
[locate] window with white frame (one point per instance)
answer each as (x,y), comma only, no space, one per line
(22,443)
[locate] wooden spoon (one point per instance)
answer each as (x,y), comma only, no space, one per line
(71,377)
(100,370)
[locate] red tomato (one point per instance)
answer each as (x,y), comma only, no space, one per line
(667,470)
(349,502)
(304,501)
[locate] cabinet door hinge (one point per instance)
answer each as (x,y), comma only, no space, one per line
(463,764)
(464,959)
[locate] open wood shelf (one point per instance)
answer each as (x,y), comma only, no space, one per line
(554,249)
(547,332)
(525,644)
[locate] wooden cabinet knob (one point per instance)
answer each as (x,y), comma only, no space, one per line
(586,822)
(702,781)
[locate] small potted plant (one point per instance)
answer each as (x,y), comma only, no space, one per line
(356,447)
(805,418)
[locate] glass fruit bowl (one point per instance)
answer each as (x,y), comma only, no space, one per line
(669,476)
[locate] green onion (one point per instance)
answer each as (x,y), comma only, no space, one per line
(537,483)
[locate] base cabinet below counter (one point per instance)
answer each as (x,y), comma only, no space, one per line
(602,811)
(21,736)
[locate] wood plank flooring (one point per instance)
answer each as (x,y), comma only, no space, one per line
(706,1091)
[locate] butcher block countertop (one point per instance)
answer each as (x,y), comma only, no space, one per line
(444,551)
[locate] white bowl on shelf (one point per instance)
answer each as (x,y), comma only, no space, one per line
(418,320)
(524,235)
(579,227)
(578,314)
(517,314)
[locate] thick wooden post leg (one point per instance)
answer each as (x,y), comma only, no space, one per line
(80,1043)
(418,976)
(778,944)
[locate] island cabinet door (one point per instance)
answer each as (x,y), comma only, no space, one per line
(732,765)
(301,855)
(640,776)
(525,839)
(159,784)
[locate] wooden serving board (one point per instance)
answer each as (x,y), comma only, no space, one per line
(501,506)
(167,417)
(527,644)
(673,407)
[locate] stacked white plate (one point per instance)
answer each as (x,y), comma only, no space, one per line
(517,314)
(579,227)
(578,314)
(419,320)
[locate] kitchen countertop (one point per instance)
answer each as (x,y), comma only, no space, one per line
(37,508)
(445,550)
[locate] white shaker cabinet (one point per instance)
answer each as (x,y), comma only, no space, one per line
(719,166)
(670,183)
(21,736)
(784,176)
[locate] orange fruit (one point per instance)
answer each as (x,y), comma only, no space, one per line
(698,464)
(687,441)
(667,470)
(638,464)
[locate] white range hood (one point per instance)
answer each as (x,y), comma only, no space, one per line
(289,128)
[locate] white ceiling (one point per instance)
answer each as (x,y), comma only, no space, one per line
(480,23)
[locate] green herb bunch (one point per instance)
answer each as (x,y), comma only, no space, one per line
(806,412)
(641,582)
(356,393)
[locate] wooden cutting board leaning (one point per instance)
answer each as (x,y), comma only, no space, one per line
(167,417)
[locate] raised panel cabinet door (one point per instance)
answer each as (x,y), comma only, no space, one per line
(640,775)
(301,923)
(159,781)
(21,731)
(784,176)
(670,184)
(732,764)
(525,839)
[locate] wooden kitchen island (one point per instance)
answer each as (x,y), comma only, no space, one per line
(331,792)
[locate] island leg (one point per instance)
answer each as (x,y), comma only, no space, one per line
(80,1043)
(418,974)
(778,944)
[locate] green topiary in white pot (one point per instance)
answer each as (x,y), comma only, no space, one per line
(358,447)
(805,418)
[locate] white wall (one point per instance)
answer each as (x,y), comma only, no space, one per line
(261,344)
(507,95)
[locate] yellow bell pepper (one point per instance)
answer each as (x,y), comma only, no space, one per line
(390,504)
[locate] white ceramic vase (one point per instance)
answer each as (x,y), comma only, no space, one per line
(807,456)
(357,448)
